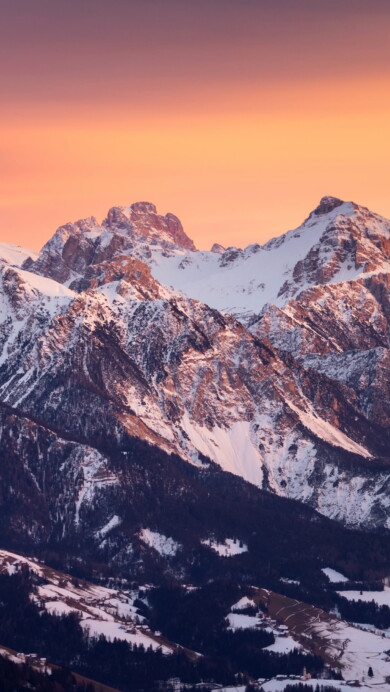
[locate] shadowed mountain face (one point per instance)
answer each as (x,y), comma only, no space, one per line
(122,347)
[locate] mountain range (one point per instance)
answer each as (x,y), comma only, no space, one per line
(130,362)
(207,431)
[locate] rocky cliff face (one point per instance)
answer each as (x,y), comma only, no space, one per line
(133,230)
(97,354)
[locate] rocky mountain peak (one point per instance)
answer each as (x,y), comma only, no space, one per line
(143,208)
(327,204)
(142,220)
(82,225)
(218,248)
(135,230)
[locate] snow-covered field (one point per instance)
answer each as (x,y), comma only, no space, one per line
(230,546)
(343,645)
(102,610)
(238,620)
(243,603)
(380,597)
(112,612)
(280,685)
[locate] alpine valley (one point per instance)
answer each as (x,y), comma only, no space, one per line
(220,419)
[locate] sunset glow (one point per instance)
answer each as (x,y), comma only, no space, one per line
(232,115)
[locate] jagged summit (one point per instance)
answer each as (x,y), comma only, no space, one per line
(141,218)
(137,230)
(338,241)
(143,208)
(218,248)
(327,204)
(138,219)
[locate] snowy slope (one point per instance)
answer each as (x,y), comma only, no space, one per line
(102,610)
(345,646)
(242,282)
(15,255)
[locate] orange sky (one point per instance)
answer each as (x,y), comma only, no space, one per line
(232,114)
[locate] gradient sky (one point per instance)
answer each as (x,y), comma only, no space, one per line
(236,115)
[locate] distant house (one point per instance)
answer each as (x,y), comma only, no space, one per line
(305,675)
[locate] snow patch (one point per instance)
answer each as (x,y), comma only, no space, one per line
(238,621)
(114,521)
(232,448)
(164,545)
(95,476)
(381,598)
(230,546)
(243,603)
(327,432)
(333,575)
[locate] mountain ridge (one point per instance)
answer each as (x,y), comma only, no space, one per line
(338,241)
(292,397)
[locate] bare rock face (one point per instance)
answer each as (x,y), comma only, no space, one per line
(327,204)
(68,252)
(129,276)
(218,249)
(132,230)
(334,318)
(141,219)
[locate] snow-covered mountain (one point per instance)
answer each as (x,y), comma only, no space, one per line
(123,331)
(339,241)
